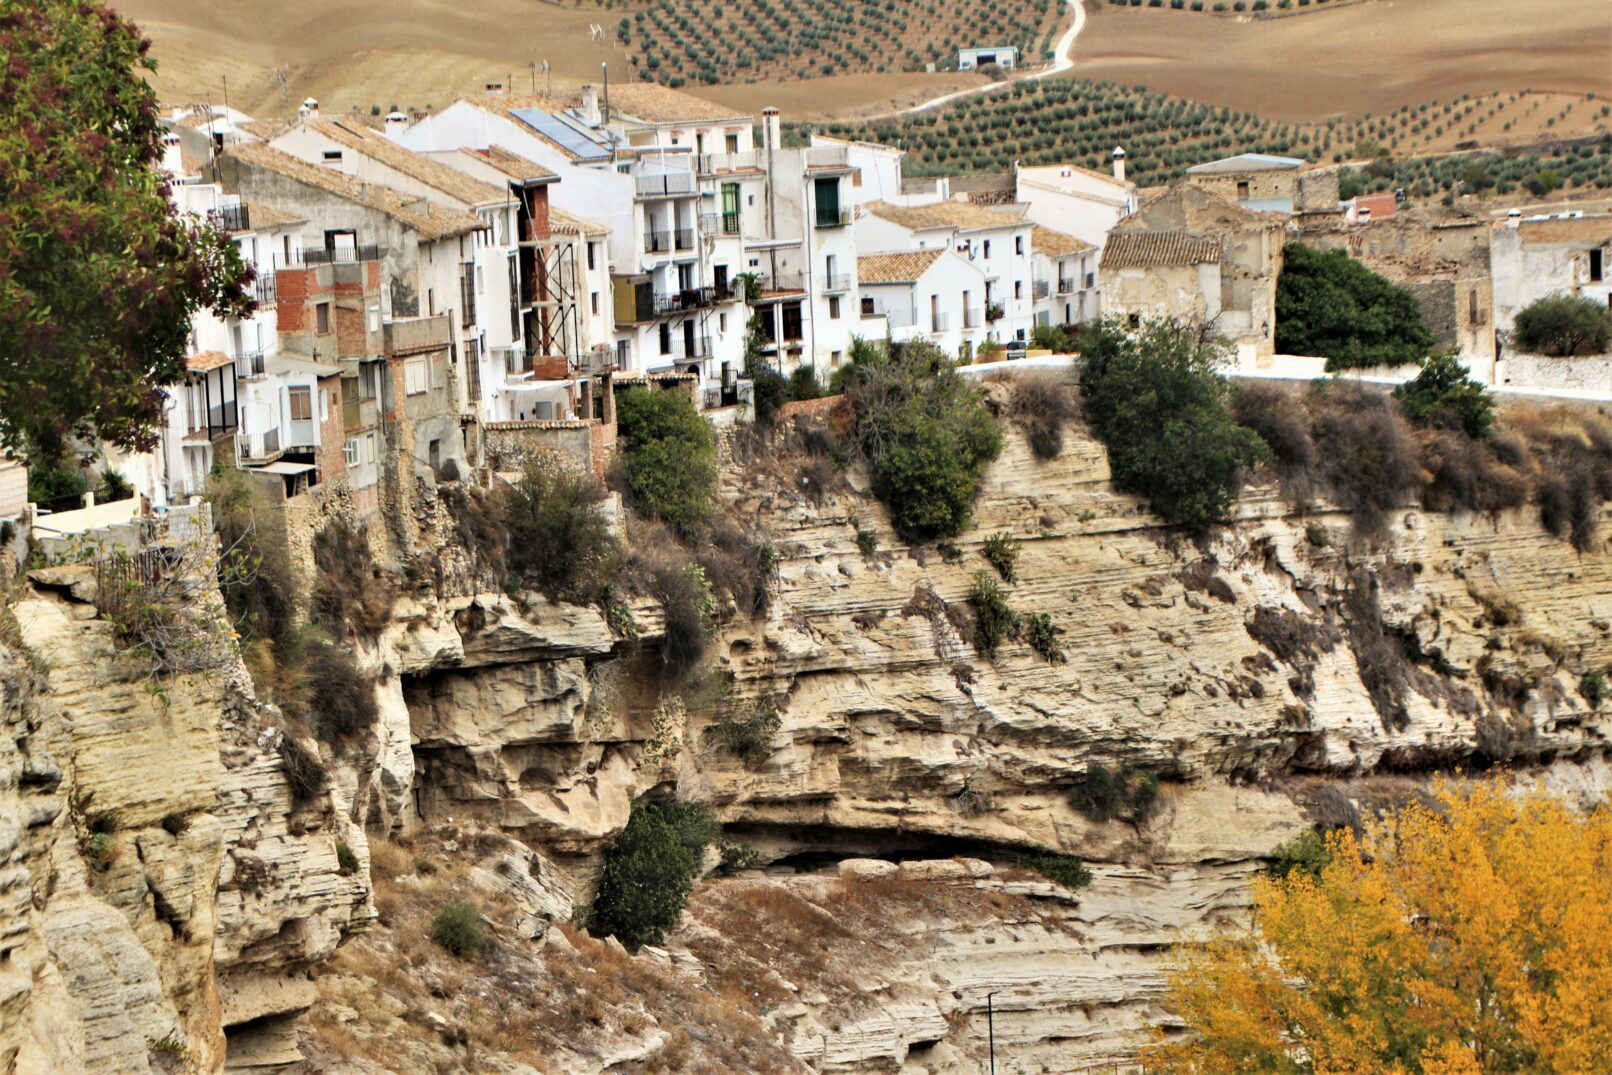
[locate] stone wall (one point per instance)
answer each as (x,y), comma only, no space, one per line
(565,443)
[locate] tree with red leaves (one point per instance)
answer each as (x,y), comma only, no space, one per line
(99,274)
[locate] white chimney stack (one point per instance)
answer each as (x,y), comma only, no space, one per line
(173,162)
(590,103)
(1514,218)
(396,124)
(772,128)
(309,109)
(1119,164)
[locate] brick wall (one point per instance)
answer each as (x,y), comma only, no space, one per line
(332,458)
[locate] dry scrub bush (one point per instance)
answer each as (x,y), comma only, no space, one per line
(1368,459)
(1278,416)
(1041,405)
(352,596)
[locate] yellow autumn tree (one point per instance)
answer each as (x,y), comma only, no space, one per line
(1471,937)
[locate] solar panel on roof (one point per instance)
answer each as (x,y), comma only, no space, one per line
(563,134)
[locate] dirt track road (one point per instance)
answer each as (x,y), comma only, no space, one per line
(1061,62)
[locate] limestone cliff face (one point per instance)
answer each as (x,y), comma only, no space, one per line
(1276,669)
(159,892)
(1276,672)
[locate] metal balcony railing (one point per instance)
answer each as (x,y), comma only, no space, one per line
(970,320)
(691,298)
(711,163)
(264,290)
(1041,289)
(832,218)
(258,445)
(683,239)
(939,322)
(657,242)
(1066,287)
(669,185)
(249,365)
(837,281)
(779,281)
(340,255)
(230,218)
(719,223)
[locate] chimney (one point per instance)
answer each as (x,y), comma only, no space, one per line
(396,124)
(494,89)
(173,162)
(309,109)
(1514,218)
(772,136)
(1119,164)
(590,103)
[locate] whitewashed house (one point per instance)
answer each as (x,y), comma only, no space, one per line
(932,294)
(997,240)
(1076,201)
(1065,272)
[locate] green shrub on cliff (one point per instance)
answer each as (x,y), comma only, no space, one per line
(926,433)
(649,872)
(1156,398)
(668,457)
(457,927)
(560,541)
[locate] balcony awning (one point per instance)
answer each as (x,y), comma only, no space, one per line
(537,386)
(285,362)
(284,469)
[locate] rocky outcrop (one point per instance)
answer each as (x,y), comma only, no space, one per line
(1277,671)
(159,890)
(164,896)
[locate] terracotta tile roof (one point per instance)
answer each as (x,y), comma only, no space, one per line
(513,165)
(1590,230)
(1148,249)
(430,221)
(204,361)
(959,215)
(467,190)
(900,267)
(1055,244)
(650,103)
(570,224)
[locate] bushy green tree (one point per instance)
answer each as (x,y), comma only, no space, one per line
(1331,305)
(1562,324)
(1157,399)
(669,456)
(99,276)
(927,435)
(560,541)
(1443,394)
(650,870)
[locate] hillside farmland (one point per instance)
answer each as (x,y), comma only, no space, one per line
(708,41)
(1078,121)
